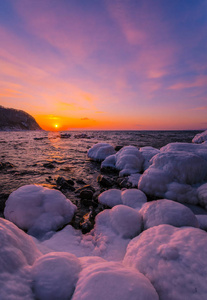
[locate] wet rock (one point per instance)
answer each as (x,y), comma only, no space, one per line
(64,184)
(104,181)
(85,188)
(3,198)
(70,181)
(88,202)
(6,165)
(123,183)
(81,136)
(86,194)
(65,135)
(80,181)
(49,165)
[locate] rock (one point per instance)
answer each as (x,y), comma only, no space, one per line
(86,194)
(105,182)
(85,187)
(117,148)
(6,165)
(123,182)
(70,181)
(80,181)
(49,165)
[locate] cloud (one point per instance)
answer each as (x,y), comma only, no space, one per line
(84,119)
(199,108)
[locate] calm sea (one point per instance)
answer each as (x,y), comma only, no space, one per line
(37,155)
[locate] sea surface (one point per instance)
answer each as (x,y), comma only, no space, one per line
(37,157)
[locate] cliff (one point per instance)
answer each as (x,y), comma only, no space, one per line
(13,119)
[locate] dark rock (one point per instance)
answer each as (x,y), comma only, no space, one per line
(86,194)
(3,198)
(105,182)
(95,196)
(70,181)
(6,165)
(40,138)
(13,119)
(64,184)
(85,187)
(81,136)
(49,165)
(80,181)
(117,148)
(86,227)
(123,183)
(65,135)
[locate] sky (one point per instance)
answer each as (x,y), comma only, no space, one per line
(105,64)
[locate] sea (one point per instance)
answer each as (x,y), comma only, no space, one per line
(38,157)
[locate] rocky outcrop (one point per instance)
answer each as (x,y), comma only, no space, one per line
(13,119)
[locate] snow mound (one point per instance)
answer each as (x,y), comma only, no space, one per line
(167,212)
(112,281)
(200,137)
(123,220)
(148,153)
(55,276)
(133,179)
(38,209)
(202,221)
(17,252)
(132,197)
(202,195)
(100,151)
(183,193)
(173,259)
(128,160)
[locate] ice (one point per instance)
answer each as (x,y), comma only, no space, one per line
(134,179)
(148,152)
(202,221)
(112,281)
(165,211)
(38,209)
(200,137)
(55,275)
(183,193)
(128,160)
(100,151)
(173,259)
(132,197)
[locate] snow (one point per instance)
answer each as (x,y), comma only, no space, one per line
(100,151)
(183,193)
(113,281)
(128,160)
(38,209)
(200,137)
(167,212)
(173,259)
(133,179)
(131,197)
(55,275)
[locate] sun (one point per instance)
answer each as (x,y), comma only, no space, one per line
(56,125)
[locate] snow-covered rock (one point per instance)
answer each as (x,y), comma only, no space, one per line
(112,281)
(55,276)
(123,220)
(202,221)
(131,197)
(128,160)
(173,259)
(38,209)
(133,179)
(202,195)
(167,212)
(183,193)
(148,152)
(100,151)
(200,137)
(17,252)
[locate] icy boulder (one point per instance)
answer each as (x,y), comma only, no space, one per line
(128,160)
(173,259)
(17,252)
(38,209)
(167,212)
(55,276)
(112,281)
(148,153)
(122,220)
(200,137)
(132,197)
(100,151)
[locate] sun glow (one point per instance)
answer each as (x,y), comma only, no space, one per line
(56,125)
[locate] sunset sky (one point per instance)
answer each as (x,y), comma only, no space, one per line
(105,64)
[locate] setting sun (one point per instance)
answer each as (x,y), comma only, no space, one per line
(56,125)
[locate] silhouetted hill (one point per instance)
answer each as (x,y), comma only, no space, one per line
(13,119)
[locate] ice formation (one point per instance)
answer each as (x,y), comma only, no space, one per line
(202,195)
(128,160)
(173,259)
(132,197)
(100,151)
(148,152)
(167,212)
(200,137)
(38,209)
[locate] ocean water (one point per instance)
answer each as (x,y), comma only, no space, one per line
(38,156)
